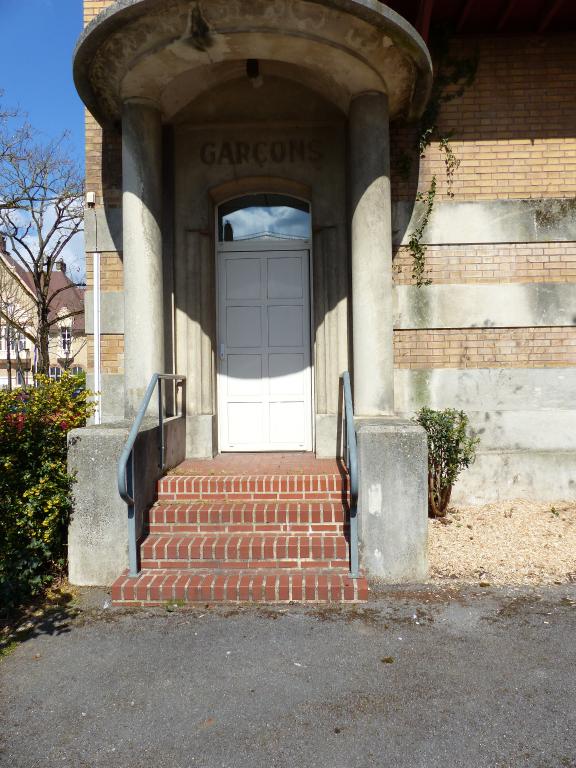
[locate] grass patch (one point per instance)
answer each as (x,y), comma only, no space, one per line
(7,647)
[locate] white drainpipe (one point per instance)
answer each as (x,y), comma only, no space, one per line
(97,343)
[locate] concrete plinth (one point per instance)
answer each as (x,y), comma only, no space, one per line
(98,533)
(393,504)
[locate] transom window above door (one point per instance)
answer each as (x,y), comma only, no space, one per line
(264,217)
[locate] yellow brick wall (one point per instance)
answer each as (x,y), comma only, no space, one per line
(111,353)
(512,130)
(103,178)
(93,7)
(499,263)
(103,163)
(485,348)
(111,271)
(93,155)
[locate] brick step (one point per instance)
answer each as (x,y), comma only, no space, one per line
(223,550)
(205,516)
(326,487)
(192,586)
(286,528)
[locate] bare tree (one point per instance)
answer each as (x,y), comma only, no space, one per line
(13,130)
(41,211)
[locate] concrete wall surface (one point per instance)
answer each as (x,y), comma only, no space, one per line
(485,389)
(509,305)
(488,221)
(98,533)
(526,422)
(111,395)
(535,475)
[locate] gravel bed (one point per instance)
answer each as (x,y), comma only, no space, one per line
(508,542)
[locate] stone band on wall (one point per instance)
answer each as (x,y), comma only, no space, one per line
(485,306)
(488,221)
(497,229)
(112,396)
(526,421)
(486,389)
(111,312)
(103,229)
(500,474)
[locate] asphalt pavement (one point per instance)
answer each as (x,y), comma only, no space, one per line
(420,677)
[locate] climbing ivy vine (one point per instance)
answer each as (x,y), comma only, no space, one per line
(453,76)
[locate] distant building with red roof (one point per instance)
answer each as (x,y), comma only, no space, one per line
(67,347)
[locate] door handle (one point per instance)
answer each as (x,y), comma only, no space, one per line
(221,353)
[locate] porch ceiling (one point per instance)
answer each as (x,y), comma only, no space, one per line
(169,51)
(490,17)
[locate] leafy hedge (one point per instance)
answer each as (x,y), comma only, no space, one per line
(35,487)
(451,448)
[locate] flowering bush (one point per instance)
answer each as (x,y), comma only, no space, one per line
(35,487)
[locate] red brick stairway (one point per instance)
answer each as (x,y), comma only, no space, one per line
(249,527)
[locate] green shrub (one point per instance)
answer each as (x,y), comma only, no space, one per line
(35,488)
(450,450)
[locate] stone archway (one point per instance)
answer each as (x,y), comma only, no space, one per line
(150,68)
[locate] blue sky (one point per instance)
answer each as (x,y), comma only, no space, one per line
(38,38)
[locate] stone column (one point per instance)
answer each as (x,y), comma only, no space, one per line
(142,248)
(371,256)
(392,457)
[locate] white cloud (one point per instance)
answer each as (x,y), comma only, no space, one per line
(279,220)
(73,254)
(75,258)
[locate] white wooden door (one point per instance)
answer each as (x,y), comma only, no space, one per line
(264,376)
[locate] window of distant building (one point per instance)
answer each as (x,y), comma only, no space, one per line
(17,341)
(55,372)
(66,339)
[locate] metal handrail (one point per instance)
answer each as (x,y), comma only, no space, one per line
(352,465)
(126,462)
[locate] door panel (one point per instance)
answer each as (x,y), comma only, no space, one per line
(243,327)
(287,422)
(285,326)
(285,278)
(287,374)
(264,372)
(244,375)
(243,279)
(245,423)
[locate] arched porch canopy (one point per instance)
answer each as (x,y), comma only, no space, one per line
(140,63)
(169,51)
